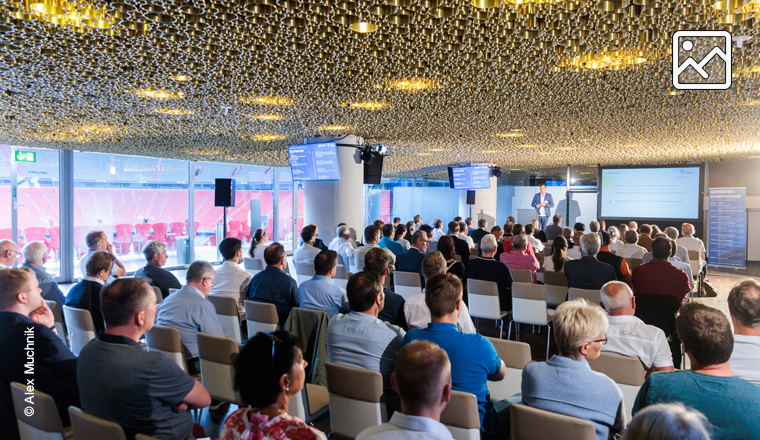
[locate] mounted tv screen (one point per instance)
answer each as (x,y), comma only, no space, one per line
(314,161)
(475,177)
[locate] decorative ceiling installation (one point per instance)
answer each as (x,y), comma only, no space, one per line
(539,84)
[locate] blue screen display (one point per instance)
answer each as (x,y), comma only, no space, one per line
(476,177)
(314,161)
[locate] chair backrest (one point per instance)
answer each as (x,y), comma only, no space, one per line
(461,416)
(260,317)
(304,272)
(218,356)
(80,326)
(521,275)
(340,260)
(159,295)
(227,314)
(516,356)
(483,299)
(627,372)
(529,304)
(555,284)
(696,265)
(407,284)
(355,395)
(632,262)
(166,340)
(458,258)
(144,437)
(253,263)
(88,427)
(142,231)
(536,424)
(341,273)
(592,295)
(555,278)
(658,310)
(44,423)
(60,327)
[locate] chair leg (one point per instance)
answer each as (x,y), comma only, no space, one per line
(548,339)
(509,330)
(501,328)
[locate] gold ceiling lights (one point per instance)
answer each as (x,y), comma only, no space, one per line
(181,78)
(363,27)
(512,134)
(173,111)
(267,117)
(411,85)
(79,16)
(267,100)
(367,105)
(335,127)
(268,137)
(159,94)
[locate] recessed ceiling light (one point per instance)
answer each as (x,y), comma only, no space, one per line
(268,137)
(158,94)
(509,135)
(436,149)
(266,100)
(565,148)
(173,111)
(335,127)
(181,78)
(490,151)
(528,146)
(267,117)
(367,105)
(412,85)
(363,27)
(424,154)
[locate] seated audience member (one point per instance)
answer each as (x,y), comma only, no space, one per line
(98,241)
(729,403)
(460,246)
(411,228)
(474,360)
(578,230)
(418,221)
(615,242)
(537,232)
(744,306)
(655,230)
(659,277)
(628,335)
(602,225)
(388,242)
(143,391)
(416,310)
(343,245)
(631,249)
(517,230)
(559,256)
(396,221)
(668,421)
(446,248)
(519,259)
(259,242)
(462,234)
(411,260)
(360,338)
(189,311)
(534,242)
(422,380)
(622,272)
(377,263)
(682,253)
(274,285)
(372,236)
(498,233)
(320,292)
(622,229)
(508,226)
(8,254)
(318,243)
(645,237)
(468,223)
(25,318)
(588,272)
(567,232)
(400,237)
(555,229)
(672,259)
(155,254)
(487,269)
(35,256)
(482,231)
(269,372)
(437,229)
(565,384)
(691,243)
(633,226)
(307,251)
(86,293)
(231,279)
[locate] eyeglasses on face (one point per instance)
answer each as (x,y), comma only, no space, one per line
(602,341)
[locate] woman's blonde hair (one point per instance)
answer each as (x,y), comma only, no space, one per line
(576,323)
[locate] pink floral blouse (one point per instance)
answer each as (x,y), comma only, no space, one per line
(244,424)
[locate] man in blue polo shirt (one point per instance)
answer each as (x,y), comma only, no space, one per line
(388,242)
(474,360)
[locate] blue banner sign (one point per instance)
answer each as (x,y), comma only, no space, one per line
(728,227)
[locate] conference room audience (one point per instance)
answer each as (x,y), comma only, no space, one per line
(446,248)
(602,225)
(534,242)
(25,317)
(692,243)
(318,243)
(672,259)
(498,233)
(143,391)
(268,373)
(460,246)
(274,285)
(485,268)
(519,258)
(508,226)
(437,229)
(555,229)
(588,272)
(729,402)
(416,310)
(259,242)
(615,242)
(558,257)
(396,221)
(622,272)
(622,229)
(631,249)
(659,277)
(537,232)
(462,235)
(155,254)
(343,245)
(86,293)
(474,360)
(98,241)
(377,262)
(320,292)
(565,384)
(35,255)
(8,254)
(517,230)
(682,253)
(655,230)
(744,308)
(468,222)
(629,335)
(422,379)
(411,228)
(189,311)
(480,232)
(388,242)
(418,221)
(668,421)
(307,251)
(567,232)
(401,237)
(645,237)
(411,260)
(372,236)
(633,226)
(231,279)
(578,230)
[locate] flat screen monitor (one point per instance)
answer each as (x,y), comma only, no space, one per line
(314,161)
(475,177)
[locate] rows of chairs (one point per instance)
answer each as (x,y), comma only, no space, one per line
(50,236)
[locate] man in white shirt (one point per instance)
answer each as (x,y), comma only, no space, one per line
(628,335)
(343,245)
(744,307)
(692,243)
(465,237)
(631,249)
(98,241)
(437,230)
(422,379)
(537,245)
(231,279)
(418,221)
(8,254)
(307,252)
(615,242)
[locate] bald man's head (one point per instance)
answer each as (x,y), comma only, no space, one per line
(8,252)
(616,298)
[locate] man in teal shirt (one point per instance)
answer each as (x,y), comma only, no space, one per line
(387,241)
(730,404)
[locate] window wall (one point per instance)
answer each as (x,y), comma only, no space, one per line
(407,197)
(5,192)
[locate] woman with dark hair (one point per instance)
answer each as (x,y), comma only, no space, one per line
(258,244)
(559,255)
(446,247)
(268,372)
(400,234)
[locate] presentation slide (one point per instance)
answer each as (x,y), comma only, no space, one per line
(661,193)
(469,177)
(314,161)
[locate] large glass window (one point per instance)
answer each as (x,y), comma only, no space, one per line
(133,200)
(5,192)
(285,211)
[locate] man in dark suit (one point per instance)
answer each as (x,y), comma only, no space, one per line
(86,293)
(588,272)
(487,269)
(543,203)
(554,229)
(411,260)
(155,254)
(460,246)
(479,233)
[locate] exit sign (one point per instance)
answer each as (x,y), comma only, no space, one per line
(26,156)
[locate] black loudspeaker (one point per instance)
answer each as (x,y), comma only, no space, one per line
(224,193)
(470,197)
(373,170)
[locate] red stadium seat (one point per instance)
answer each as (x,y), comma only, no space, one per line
(55,240)
(176,228)
(187,228)
(80,233)
(123,240)
(159,232)
(36,234)
(142,235)
(235,229)
(246,232)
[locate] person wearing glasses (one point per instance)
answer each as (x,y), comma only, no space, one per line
(8,254)
(268,373)
(411,260)
(565,384)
